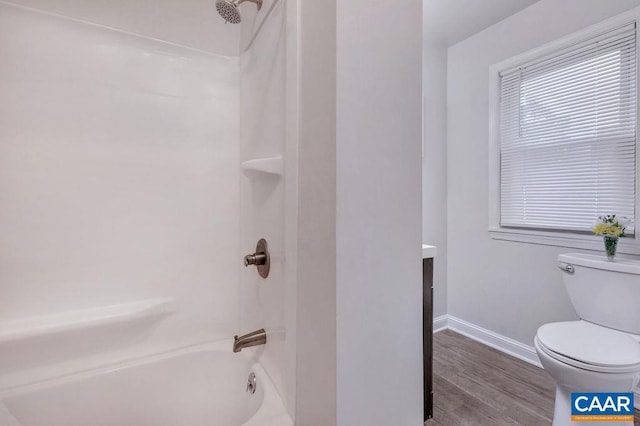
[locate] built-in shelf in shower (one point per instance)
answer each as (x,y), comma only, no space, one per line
(35,327)
(262,166)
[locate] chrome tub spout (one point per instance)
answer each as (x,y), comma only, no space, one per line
(255,338)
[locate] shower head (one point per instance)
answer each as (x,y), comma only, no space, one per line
(229,10)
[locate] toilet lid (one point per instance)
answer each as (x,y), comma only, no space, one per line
(590,344)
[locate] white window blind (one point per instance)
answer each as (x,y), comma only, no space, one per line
(568,135)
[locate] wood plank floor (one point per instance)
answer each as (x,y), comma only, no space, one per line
(474,384)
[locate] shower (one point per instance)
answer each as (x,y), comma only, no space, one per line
(181,161)
(229,10)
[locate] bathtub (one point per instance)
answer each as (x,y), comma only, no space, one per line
(198,386)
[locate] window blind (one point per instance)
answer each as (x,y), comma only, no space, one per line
(568,135)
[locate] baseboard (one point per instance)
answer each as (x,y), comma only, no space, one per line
(496,341)
(440,323)
(502,343)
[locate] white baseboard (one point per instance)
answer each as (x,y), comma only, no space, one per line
(440,323)
(502,343)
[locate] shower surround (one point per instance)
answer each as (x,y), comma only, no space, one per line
(135,173)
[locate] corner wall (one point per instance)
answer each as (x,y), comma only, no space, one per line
(378,238)
(507,287)
(315,51)
(359,328)
(434,166)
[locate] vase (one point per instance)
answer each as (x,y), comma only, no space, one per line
(610,246)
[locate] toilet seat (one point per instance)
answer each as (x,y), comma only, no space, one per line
(590,347)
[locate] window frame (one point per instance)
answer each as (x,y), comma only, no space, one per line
(630,245)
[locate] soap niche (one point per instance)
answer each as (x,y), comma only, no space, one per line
(258,168)
(264,175)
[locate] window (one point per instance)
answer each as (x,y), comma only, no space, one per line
(564,135)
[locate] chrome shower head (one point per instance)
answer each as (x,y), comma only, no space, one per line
(229,10)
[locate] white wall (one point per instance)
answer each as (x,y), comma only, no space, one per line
(378,213)
(118,182)
(192,23)
(315,49)
(507,287)
(359,328)
(434,165)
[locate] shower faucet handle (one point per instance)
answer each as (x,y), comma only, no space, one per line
(255,259)
(260,258)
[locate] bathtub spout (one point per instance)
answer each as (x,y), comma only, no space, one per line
(258,337)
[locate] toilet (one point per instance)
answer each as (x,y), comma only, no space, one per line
(601,351)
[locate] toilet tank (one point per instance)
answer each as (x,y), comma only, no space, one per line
(603,292)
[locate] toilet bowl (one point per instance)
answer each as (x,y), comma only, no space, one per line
(592,365)
(600,352)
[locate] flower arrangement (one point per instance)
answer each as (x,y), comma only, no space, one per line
(611,228)
(611,225)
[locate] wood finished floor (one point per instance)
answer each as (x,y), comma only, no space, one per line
(474,384)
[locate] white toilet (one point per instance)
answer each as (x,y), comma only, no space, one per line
(601,351)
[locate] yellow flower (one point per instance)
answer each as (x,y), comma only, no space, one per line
(607,229)
(600,229)
(615,231)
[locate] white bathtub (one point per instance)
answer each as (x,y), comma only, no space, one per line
(204,385)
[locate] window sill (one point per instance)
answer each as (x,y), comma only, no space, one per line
(628,245)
